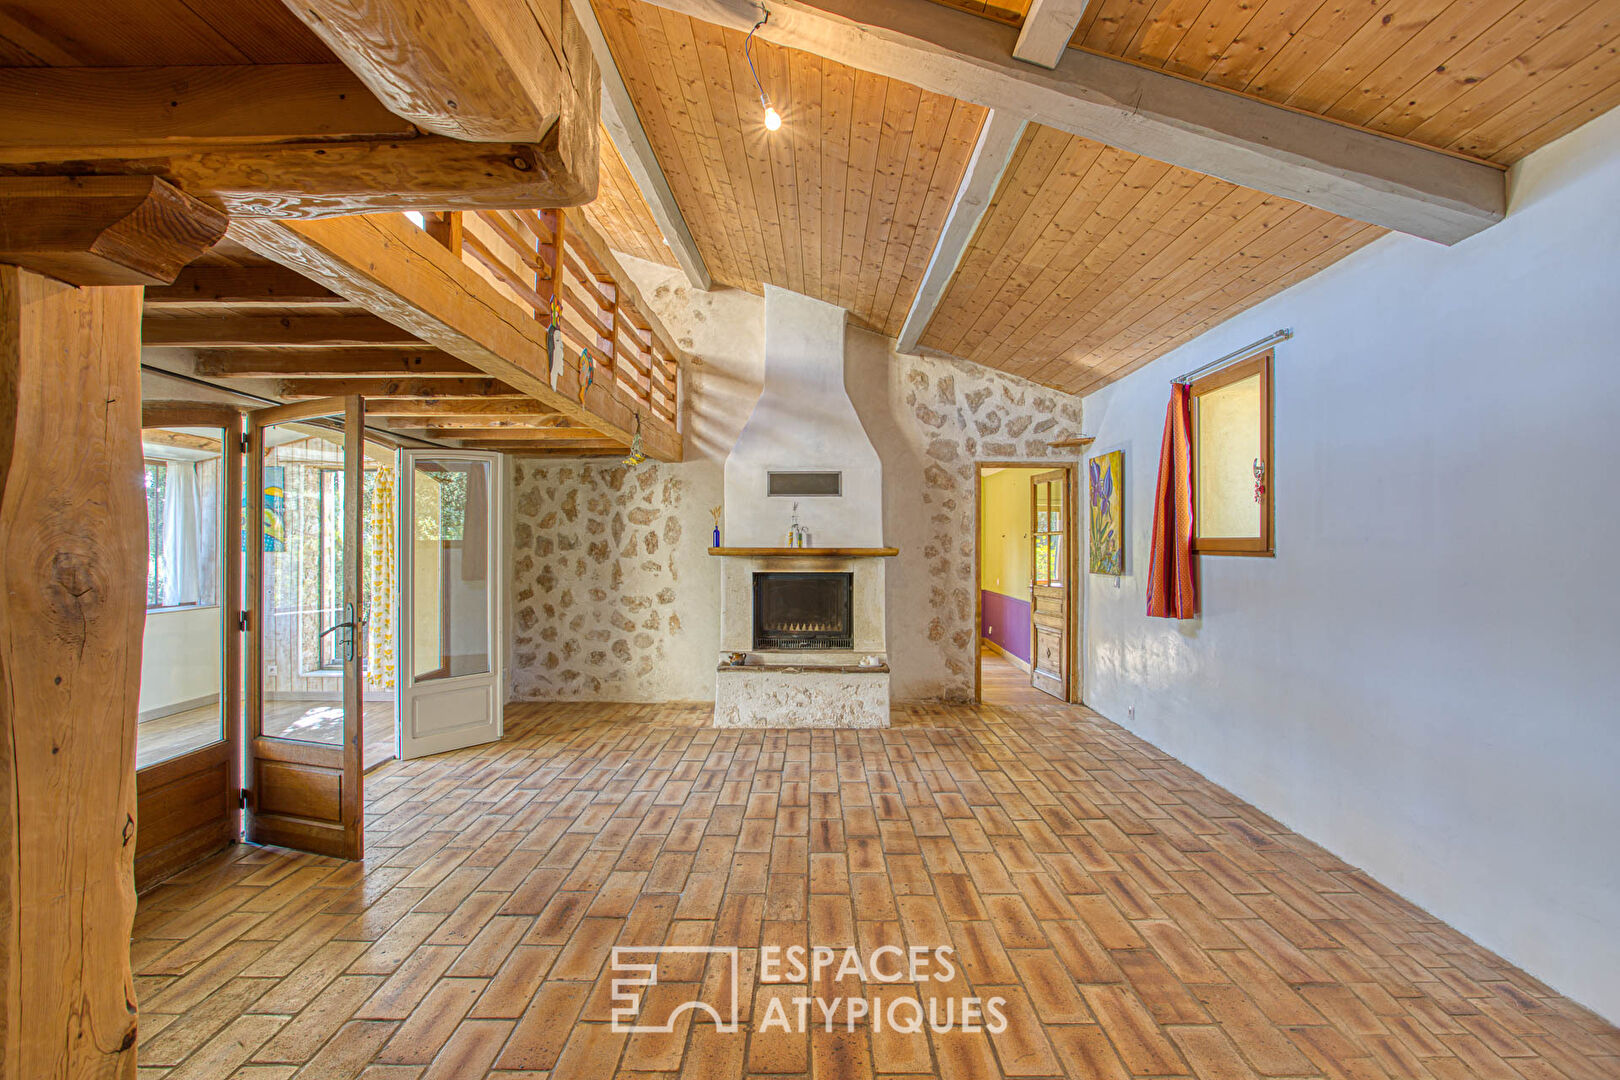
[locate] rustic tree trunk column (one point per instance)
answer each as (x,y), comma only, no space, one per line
(72,607)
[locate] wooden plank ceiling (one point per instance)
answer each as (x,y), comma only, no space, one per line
(1494,79)
(620,212)
(1089,261)
(844,203)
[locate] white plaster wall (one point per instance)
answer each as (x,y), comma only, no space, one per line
(181,659)
(803,420)
(928,420)
(1426,679)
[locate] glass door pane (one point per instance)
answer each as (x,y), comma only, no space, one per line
(183,659)
(306,634)
(449,536)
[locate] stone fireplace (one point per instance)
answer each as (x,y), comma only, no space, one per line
(803,632)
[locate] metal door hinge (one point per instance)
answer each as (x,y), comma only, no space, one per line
(244,443)
(243,796)
(242,621)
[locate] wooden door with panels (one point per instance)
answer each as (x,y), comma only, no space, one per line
(302,611)
(1049,604)
(450,684)
(188,744)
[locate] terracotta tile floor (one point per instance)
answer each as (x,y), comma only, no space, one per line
(1138,920)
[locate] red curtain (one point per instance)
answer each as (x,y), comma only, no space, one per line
(1172,578)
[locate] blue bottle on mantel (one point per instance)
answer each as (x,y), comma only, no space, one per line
(716,537)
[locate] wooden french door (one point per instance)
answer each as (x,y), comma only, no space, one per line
(450,600)
(188,744)
(1049,588)
(304,715)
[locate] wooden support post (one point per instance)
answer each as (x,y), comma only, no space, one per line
(72,607)
(445,227)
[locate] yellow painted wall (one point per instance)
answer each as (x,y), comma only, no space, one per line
(1004,520)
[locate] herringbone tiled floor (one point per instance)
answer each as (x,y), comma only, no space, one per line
(1139,920)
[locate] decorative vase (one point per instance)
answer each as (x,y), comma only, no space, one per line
(716,536)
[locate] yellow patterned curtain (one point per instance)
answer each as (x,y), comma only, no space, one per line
(382,583)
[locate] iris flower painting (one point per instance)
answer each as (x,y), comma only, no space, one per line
(1107,472)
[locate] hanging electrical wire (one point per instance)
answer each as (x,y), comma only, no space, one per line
(773,119)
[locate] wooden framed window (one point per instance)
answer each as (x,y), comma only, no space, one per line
(1231,459)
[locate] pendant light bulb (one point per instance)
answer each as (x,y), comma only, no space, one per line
(773,119)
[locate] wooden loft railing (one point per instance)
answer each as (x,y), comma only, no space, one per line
(536,256)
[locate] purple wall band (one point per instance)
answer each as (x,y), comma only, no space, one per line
(1006,622)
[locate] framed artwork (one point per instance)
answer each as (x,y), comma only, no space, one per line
(1107,475)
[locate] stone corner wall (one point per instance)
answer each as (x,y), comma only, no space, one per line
(597,574)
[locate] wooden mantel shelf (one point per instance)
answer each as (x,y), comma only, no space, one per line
(811,552)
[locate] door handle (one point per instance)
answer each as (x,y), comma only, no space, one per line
(348,627)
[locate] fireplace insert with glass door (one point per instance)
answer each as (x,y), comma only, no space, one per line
(804,611)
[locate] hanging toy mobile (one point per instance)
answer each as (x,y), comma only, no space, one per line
(637,454)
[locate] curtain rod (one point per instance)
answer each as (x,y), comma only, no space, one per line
(153,370)
(1235,354)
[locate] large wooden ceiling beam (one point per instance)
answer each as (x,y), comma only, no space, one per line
(624,127)
(268,331)
(128,230)
(333,177)
(998,138)
(69,109)
(397,271)
(241,286)
(304,363)
(494,71)
(1048,27)
(300,389)
(515,435)
(482,410)
(1271,148)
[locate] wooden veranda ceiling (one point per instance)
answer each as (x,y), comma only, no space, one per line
(844,203)
(1089,261)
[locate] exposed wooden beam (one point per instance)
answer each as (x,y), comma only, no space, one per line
(126,230)
(334,178)
(49,107)
(183,413)
(297,363)
(998,138)
(494,71)
(516,435)
(624,128)
(1048,27)
(505,423)
(180,440)
(392,268)
(241,286)
(593,448)
(264,331)
(298,389)
(1311,159)
(484,409)
(72,603)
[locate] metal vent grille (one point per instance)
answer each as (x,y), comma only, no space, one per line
(800,485)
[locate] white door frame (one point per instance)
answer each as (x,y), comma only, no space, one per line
(482,696)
